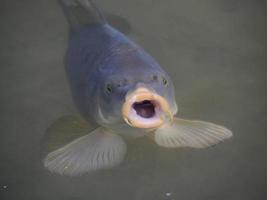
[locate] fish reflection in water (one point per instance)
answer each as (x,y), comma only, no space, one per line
(122,92)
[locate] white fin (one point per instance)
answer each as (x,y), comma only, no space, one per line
(186,133)
(97,150)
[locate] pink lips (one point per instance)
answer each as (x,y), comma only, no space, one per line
(145,109)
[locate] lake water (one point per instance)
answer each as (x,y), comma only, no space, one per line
(216,54)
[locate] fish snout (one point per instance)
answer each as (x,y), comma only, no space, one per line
(144,108)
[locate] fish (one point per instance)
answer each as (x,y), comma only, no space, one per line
(123,92)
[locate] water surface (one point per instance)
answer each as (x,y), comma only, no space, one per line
(216,53)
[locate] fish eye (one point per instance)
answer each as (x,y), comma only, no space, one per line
(164,81)
(109,88)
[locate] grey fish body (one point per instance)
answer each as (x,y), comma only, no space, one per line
(100,55)
(123,91)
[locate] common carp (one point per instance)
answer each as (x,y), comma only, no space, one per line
(121,89)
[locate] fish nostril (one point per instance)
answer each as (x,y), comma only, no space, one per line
(145,109)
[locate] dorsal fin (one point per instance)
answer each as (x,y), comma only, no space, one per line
(80,13)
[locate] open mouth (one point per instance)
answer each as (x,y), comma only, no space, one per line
(145,109)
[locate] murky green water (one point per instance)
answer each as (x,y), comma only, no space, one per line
(216,53)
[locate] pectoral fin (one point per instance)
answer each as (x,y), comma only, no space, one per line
(96,150)
(186,133)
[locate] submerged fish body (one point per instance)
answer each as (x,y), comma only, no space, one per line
(99,59)
(123,91)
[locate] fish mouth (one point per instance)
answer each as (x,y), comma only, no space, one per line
(144,108)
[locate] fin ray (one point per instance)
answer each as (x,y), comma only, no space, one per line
(87,153)
(195,134)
